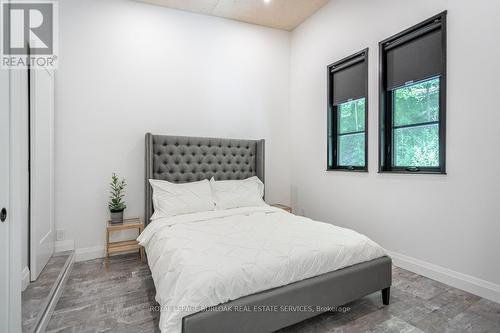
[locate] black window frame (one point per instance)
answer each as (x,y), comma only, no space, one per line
(332,144)
(386,145)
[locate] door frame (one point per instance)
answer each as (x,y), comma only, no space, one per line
(6,240)
(18,175)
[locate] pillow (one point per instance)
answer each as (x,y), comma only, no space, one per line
(171,199)
(260,184)
(237,193)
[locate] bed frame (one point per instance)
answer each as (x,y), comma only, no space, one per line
(181,159)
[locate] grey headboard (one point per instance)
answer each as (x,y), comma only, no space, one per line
(182,159)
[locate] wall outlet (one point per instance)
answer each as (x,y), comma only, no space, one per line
(60,234)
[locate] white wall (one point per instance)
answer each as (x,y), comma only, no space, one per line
(449,221)
(127,68)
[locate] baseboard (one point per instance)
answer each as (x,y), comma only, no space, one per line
(89,253)
(471,284)
(94,252)
(62,246)
(25,278)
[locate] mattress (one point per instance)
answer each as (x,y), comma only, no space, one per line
(205,259)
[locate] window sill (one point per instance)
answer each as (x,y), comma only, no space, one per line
(421,172)
(347,170)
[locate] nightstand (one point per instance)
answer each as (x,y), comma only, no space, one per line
(124,246)
(284,207)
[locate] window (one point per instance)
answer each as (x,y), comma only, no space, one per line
(347,110)
(413,99)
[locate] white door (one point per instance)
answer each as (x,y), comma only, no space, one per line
(4,199)
(42,229)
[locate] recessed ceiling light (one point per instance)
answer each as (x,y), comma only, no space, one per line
(267,1)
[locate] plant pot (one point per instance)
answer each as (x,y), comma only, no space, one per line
(116,217)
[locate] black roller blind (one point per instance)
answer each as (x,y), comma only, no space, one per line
(349,80)
(415,57)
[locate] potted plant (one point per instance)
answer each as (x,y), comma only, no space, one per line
(116,204)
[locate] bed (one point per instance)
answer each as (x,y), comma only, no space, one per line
(247,302)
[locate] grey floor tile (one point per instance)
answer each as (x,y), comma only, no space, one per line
(487,309)
(118,299)
(470,322)
(395,325)
(35,297)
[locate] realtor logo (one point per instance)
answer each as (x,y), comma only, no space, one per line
(29,33)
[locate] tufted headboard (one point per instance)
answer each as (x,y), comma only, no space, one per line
(182,159)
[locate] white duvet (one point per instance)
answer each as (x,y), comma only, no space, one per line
(205,259)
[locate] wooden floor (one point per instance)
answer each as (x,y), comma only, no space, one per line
(119,300)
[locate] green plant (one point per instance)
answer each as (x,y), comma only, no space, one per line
(116,203)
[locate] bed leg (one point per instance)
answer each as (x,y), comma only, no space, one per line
(386,294)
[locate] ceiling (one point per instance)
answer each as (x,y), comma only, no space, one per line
(279,14)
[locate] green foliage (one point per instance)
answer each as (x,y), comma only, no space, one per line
(116,203)
(417,105)
(351,145)
(351,116)
(417,146)
(351,150)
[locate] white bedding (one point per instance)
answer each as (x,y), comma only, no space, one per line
(205,259)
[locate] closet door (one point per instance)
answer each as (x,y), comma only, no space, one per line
(42,228)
